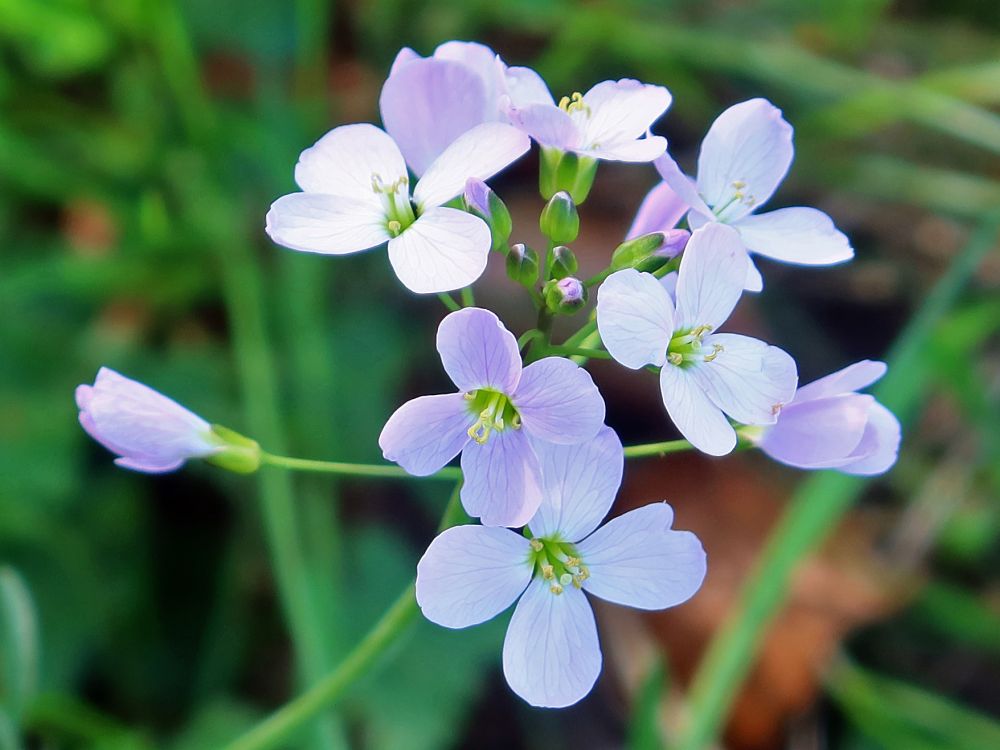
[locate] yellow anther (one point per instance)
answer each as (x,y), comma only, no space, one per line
(394,227)
(572,562)
(547,572)
(716,348)
(469,396)
(555,588)
(675,358)
(584,573)
(701,331)
(515,422)
(574,103)
(536,545)
(578,581)
(739,184)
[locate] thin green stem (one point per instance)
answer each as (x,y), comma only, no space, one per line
(580,336)
(527,337)
(579,351)
(449,301)
(468,297)
(450,473)
(276,729)
(657,449)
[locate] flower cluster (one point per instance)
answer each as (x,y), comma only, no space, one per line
(540,469)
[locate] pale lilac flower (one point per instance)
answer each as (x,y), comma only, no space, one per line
(428,102)
(743,159)
(704,375)
(607,122)
(147,430)
(551,655)
(356,195)
(499,406)
(830,426)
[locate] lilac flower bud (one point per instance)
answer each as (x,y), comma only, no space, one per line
(560,221)
(152,433)
(481,201)
(674,242)
(566,295)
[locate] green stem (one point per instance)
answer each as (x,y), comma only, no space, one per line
(815,510)
(468,297)
(577,351)
(657,449)
(275,730)
(450,473)
(580,336)
(449,301)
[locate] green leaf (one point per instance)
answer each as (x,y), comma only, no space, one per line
(18,644)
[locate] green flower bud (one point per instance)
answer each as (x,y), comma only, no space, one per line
(522,265)
(631,253)
(562,262)
(240,454)
(567,171)
(565,296)
(559,220)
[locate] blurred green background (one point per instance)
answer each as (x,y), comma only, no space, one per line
(141,142)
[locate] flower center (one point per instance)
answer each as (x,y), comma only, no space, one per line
(574,103)
(495,413)
(686,347)
(739,198)
(395,197)
(558,563)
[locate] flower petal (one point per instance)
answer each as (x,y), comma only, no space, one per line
(343,161)
(427,103)
(660,211)
(879,446)
(327,224)
(525,86)
(479,153)
(693,413)
(748,379)
(637,560)
(442,250)
(635,317)
(621,111)
(558,402)
(502,479)
(470,574)
(819,433)
(551,655)
(754,281)
(579,484)
(710,282)
(684,186)
(851,378)
(638,151)
(747,152)
(403,57)
(795,235)
(547,124)
(477,351)
(425,433)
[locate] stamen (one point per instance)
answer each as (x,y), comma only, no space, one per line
(536,545)
(675,358)
(555,588)
(574,103)
(716,348)
(394,227)
(547,572)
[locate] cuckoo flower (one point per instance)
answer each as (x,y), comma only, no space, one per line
(551,655)
(704,375)
(147,430)
(428,102)
(743,159)
(356,195)
(499,406)
(660,211)
(607,122)
(830,426)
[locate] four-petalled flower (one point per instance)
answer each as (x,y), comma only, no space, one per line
(551,654)
(500,415)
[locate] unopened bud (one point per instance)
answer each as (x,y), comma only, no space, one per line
(480,200)
(239,453)
(565,296)
(566,171)
(562,262)
(632,252)
(522,264)
(674,242)
(559,220)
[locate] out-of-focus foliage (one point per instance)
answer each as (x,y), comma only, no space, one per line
(140,144)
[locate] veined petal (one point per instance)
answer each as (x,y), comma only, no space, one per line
(477,351)
(754,281)
(879,446)
(819,433)
(693,413)
(621,111)
(795,235)
(470,574)
(525,86)
(326,224)
(343,162)
(551,655)
(442,250)
(683,185)
(427,103)
(851,378)
(748,379)
(502,479)
(660,211)
(547,124)
(579,484)
(479,153)
(427,432)
(558,402)
(635,317)
(637,560)
(641,150)
(744,158)
(710,283)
